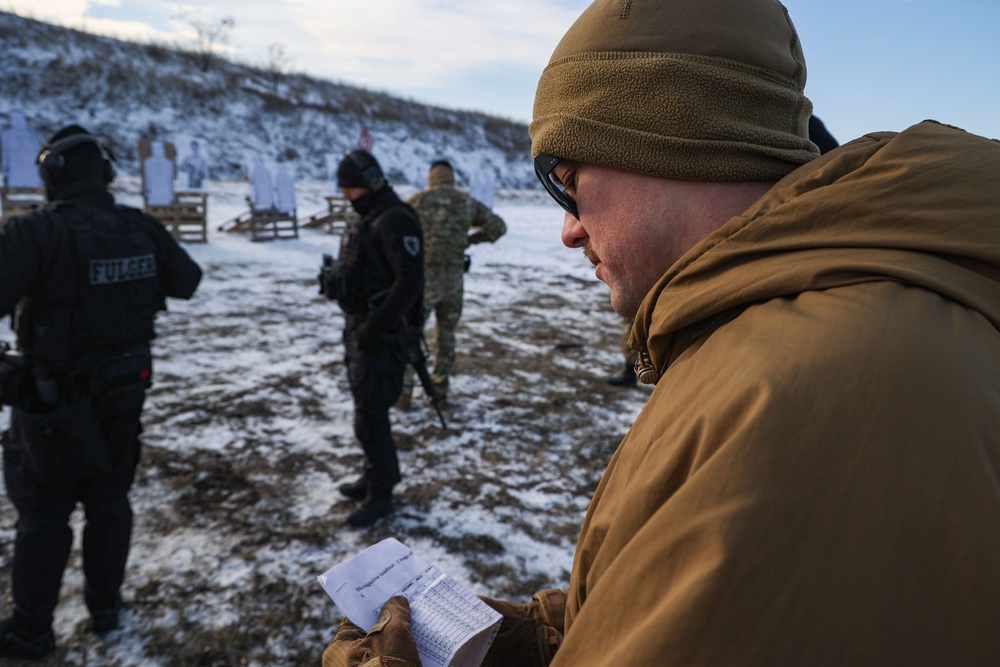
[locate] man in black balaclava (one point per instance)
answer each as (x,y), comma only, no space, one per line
(84,279)
(383,260)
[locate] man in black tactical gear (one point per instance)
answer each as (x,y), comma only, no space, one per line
(382,256)
(83,279)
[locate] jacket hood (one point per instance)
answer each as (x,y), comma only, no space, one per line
(921,207)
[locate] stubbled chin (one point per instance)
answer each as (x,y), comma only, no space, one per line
(623,309)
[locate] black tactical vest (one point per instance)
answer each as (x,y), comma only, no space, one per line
(116,292)
(363,276)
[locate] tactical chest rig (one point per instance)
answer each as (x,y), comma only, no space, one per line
(360,277)
(111,299)
(363,273)
(83,323)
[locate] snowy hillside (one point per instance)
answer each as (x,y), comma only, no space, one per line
(125,92)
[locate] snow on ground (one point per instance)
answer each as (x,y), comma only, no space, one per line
(248,433)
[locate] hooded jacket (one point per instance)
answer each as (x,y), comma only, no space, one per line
(815,479)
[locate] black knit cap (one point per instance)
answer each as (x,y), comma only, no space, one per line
(360,169)
(81,163)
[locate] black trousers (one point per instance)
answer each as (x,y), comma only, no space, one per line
(44,538)
(376,383)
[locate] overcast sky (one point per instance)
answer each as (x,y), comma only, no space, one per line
(873,64)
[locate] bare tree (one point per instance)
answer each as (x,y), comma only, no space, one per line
(277,64)
(208,35)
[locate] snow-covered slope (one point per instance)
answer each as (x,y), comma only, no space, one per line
(126,91)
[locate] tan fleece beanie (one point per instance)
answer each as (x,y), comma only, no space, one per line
(687,89)
(440,174)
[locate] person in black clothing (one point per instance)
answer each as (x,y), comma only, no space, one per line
(83,279)
(382,260)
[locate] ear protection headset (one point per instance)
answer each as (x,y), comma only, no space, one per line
(368,169)
(51,159)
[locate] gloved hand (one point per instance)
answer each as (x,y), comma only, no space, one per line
(369,339)
(529,633)
(389,643)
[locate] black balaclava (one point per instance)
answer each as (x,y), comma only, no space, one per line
(360,169)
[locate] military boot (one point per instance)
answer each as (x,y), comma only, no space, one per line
(377,504)
(104,617)
(18,642)
(104,622)
(624,379)
(356,490)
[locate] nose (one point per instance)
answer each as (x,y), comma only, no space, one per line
(573,233)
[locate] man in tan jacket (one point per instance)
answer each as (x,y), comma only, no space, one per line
(815,479)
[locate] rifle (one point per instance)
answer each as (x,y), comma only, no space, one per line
(412,351)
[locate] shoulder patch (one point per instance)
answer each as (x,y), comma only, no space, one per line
(412,245)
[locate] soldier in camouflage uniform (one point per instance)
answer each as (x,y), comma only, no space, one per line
(451,221)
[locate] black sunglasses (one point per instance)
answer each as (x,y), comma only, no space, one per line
(544,164)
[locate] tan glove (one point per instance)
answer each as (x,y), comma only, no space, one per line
(389,643)
(529,633)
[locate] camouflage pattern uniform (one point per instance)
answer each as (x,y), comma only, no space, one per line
(451,221)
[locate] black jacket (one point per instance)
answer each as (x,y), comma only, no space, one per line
(384,263)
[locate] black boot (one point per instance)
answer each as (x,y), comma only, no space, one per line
(103,616)
(103,622)
(624,379)
(356,490)
(377,504)
(15,641)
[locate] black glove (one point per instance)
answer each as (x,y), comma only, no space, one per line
(389,642)
(369,338)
